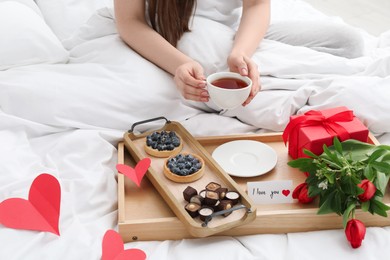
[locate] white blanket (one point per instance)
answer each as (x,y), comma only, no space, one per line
(66,119)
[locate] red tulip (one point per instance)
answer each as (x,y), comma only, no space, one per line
(355,232)
(301,193)
(369,190)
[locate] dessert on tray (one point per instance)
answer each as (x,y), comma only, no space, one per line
(163,144)
(188,162)
(184,167)
(213,198)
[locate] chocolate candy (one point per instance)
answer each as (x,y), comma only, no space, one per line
(222,192)
(204,212)
(189,192)
(213,186)
(224,205)
(211,198)
(202,193)
(193,209)
(232,196)
(197,199)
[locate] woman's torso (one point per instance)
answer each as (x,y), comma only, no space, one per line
(227,12)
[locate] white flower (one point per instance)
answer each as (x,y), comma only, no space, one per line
(323,185)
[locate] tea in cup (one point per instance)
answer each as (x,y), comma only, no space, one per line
(228,90)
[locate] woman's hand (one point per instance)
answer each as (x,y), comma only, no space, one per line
(246,67)
(190,81)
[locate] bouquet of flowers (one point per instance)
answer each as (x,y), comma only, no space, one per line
(346,176)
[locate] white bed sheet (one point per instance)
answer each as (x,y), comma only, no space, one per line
(66,120)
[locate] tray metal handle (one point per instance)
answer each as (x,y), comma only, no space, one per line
(148,121)
(218,213)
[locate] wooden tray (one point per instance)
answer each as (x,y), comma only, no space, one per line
(172,192)
(143,215)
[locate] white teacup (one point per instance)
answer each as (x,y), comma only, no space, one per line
(227,98)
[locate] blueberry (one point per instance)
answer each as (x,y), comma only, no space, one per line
(176,170)
(180,165)
(193,170)
(149,142)
(171,165)
(154,136)
(187,165)
(176,142)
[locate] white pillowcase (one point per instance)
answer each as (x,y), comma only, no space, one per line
(26,39)
(66,16)
(30,3)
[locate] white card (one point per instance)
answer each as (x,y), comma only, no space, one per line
(270,192)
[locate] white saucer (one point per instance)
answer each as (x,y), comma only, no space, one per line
(245,158)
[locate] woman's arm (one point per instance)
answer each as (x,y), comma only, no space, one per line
(253,26)
(134,30)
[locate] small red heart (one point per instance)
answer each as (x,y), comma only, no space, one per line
(113,248)
(137,173)
(285,192)
(40,212)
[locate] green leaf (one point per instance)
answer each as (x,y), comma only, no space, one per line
(337,145)
(358,150)
(299,162)
(331,157)
(336,202)
(302,164)
(369,173)
(386,157)
(379,208)
(365,206)
(349,186)
(309,153)
(376,154)
(381,166)
(330,177)
(381,182)
(314,191)
(326,206)
(384,147)
(347,213)
(332,163)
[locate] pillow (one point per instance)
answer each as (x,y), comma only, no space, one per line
(26,39)
(30,3)
(65,16)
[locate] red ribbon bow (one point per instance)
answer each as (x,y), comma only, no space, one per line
(313,118)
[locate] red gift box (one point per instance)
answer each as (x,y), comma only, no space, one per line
(315,128)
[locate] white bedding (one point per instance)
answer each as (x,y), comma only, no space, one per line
(67,118)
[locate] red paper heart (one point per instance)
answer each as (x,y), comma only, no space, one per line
(113,248)
(285,192)
(40,212)
(137,173)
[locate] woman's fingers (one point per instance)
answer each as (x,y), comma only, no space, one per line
(254,75)
(190,81)
(195,93)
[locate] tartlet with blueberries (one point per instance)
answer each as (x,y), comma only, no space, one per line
(184,167)
(163,144)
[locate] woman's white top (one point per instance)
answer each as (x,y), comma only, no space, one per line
(227,12)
